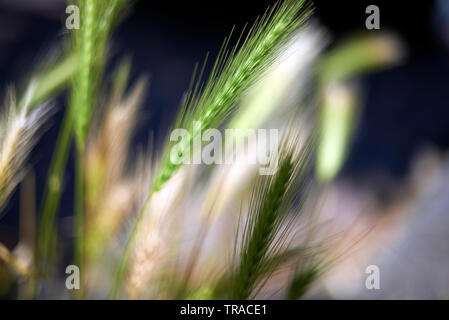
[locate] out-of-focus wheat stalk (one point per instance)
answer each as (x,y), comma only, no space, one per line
(20,260)
(340,108)
(89,44)
(20,122)
(19,131)
(110,192)
(156,236)
(20,267)
(84,67)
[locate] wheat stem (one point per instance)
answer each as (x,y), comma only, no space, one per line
(52,194)
(78,223)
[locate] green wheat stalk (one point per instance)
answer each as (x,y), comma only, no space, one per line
(89,46)
(233,72)
(90,42)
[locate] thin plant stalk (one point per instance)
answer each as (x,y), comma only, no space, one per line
(82,101)
(27,230)
(78,223)
(52,193)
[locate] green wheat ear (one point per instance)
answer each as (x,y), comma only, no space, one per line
(89,44)
(301,282)
(268,224)
(234,72)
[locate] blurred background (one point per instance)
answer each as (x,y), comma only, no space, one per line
(397,156)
